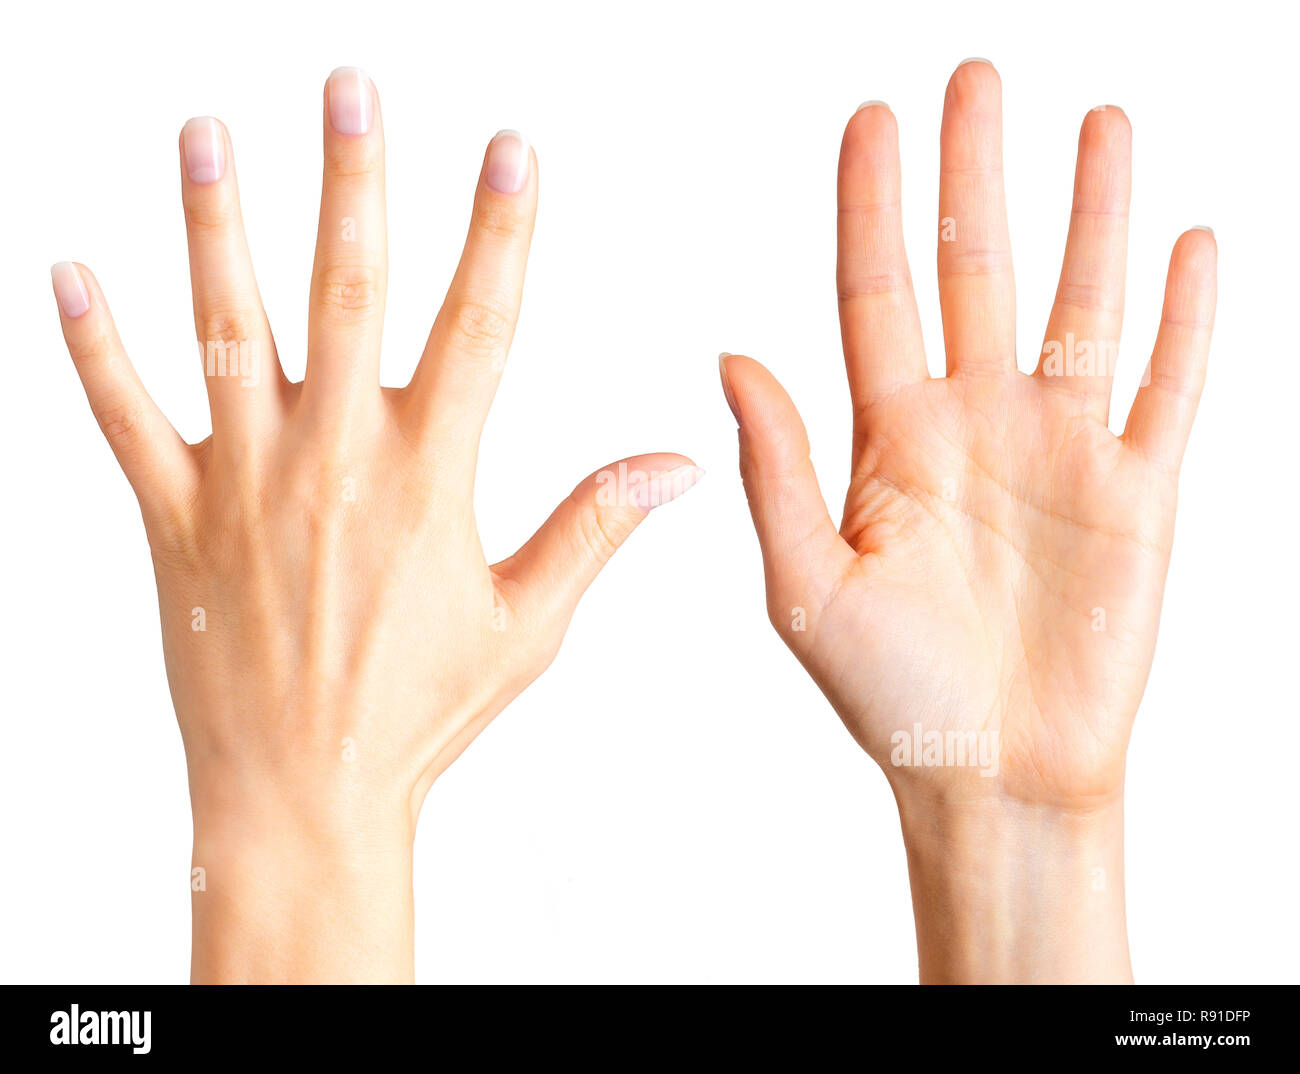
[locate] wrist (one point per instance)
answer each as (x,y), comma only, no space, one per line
(1005,891)
(301,891)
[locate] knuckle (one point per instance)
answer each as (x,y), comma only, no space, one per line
(353,162)
(349,292)
(172,544)
(780,604)
(315,493)
(205,215)
(92,349)
(540,656)
(601,533)
(480,325)
(1086,295)
(177,539)
(778,615)
(121,423)
(975,262)
(868,283)
(789,611)
(492,218)
(226,325)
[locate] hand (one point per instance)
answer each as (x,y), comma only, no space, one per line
(984,618)
(334,637)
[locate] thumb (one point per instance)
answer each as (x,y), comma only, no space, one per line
(557,564)
(803,552)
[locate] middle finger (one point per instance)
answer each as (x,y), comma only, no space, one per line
(350,275)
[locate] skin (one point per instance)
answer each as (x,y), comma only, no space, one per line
(354,638)
(1002,555)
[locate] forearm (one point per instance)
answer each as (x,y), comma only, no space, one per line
(1009,893)
(276,902)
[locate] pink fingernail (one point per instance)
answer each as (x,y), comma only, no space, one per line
(661,488)
(204,150)
(726,386)
(69,291)
(508,159)
(351,101)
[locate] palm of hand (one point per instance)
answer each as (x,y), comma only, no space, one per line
(984,618)
(1011,554)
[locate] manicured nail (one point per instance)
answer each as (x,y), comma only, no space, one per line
(69,291)
(661,488)
(726,386)
(351,100)
(975,59)
(1202,227)
(204,150)
(872,104)
(507,162)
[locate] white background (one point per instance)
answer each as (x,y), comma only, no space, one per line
(674,800)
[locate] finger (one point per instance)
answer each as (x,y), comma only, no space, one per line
(803,553)
(350,275)
(462,362)
(549,574)
(878,319)
(977,290)
(156,461)
(1083,331)
(1161,418)
(240,365)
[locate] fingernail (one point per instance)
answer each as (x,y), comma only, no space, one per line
(726,386)
(661,488)
(204,149)
(69,291)
(975,59)
(1202,227)
(872,104)
(507,162)
(352,106)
